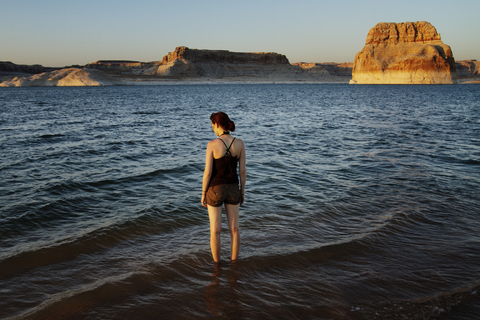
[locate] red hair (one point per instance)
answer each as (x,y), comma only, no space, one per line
(222,119)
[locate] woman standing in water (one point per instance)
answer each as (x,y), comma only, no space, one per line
(220,182)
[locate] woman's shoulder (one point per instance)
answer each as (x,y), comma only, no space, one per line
(220,142)
(240,141)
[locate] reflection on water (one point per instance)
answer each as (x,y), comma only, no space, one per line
(221,296)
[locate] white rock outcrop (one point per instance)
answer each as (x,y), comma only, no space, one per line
(71,77)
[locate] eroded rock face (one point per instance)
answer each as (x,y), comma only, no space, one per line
(404,53)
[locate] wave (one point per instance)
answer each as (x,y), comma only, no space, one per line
(68,303)
(51,136)
(151,112)
(67,192)
(73,302)
(90,240)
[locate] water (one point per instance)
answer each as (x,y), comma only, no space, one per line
(362,202)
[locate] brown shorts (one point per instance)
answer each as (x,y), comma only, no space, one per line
(223,193)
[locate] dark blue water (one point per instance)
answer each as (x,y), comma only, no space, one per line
(362,202)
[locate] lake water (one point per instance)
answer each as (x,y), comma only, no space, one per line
(362,202)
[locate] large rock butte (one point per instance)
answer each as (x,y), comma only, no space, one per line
(222,63)
(404,53)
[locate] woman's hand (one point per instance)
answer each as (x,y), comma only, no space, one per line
(204,199)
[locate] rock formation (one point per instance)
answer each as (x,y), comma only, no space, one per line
(330,68)
(64,78)
(191,65)
(404,53)
(194,64)
(219,56)
(220,63)
(468,68)
(121,66)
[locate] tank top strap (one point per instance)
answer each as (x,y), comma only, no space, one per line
(227,153)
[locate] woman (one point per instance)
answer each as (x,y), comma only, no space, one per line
(220,182)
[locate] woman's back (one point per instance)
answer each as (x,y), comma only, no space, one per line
(219,147)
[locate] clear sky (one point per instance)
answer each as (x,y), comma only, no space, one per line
(58,33)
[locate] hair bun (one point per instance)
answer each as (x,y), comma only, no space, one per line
(231,125)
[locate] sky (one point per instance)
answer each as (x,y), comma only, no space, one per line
(57,33)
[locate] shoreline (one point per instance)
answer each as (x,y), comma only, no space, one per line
(128,80)
(190,81)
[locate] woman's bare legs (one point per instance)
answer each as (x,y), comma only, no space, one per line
(215,215)
(232,217)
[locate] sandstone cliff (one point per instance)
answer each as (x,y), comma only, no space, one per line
(219,56)
(222,65)
(404,53)
(63,78)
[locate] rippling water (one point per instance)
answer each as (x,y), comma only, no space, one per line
(362,202)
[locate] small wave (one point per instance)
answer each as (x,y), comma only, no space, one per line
(51,136)
(94,239)
(147,112)
(471,162)
(70,300)
(452,159)
(86,297)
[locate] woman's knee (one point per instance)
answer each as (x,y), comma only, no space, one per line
(216,231)
(234,230)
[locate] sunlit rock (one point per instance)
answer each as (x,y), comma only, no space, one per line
(404,53)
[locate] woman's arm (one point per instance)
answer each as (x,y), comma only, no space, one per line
(243,172)
(207,173)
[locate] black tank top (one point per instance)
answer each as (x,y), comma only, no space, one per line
(225,168)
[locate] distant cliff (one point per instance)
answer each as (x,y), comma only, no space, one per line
(224,56)
(182,65)
(404,53)
(186,63)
